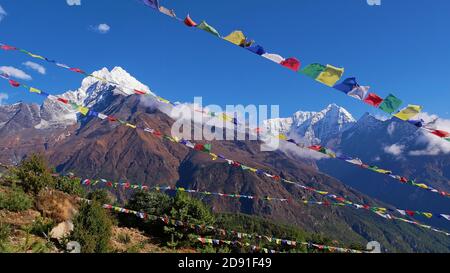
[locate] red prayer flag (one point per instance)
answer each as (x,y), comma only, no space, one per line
(7,47)
(139,92)
(63,100)
(315,147)
(440,133)
(77,70)
(409,212)
(291,63)
(112,119)
(198,147)
(189,22)
(373,99)
(13,83)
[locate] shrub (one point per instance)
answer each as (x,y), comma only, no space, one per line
(42,226)
(100,196)
(153,203)
(70,186)
(34,174)
(124,238)
(187,209)
(92,228)
(15,200)
(5,231)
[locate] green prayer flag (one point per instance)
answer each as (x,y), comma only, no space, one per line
(208,28)
(207,147)
(390,104)
(313,70)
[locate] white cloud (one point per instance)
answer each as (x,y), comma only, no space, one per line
(391,129)
(3,97)
(2,13)
(37,67)
(101,28)
(394,149)
(73,2)
(433,144)
(16,73)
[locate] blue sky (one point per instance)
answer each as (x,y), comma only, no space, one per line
(400,47)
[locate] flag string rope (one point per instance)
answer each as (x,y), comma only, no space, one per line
(411,111)
(328,75)
(225,117)
(202,148)
(225,232)
(378,210)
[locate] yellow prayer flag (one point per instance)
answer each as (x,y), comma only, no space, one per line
(225,117)
(34,90)
(427,214)
(423,186)
(409,112)
(282,137)
(213,156)
(83,110)
(383,171)
(163,100)
(236,37)
(36,56)
(330,76)
(131,125)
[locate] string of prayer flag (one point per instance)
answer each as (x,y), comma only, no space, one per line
(328,75)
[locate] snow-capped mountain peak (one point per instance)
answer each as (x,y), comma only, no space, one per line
(93,90)
(313,127)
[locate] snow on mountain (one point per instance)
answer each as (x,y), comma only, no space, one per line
(312,127)
(91,92)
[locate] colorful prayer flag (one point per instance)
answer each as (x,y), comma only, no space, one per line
(151,3)
(65,101)
(291,63)
(273,57)
(13,83)
(83,110)
(204,26)
(359,92)
(236,37)
(330,76)
(34,90)
(440,133)
(167,11)
(373,99)
(347,85)
(313,70)
(77,70)
(409,112)
(189,22)
(257,49)
(139,92)
(417,123)
(7,47)
(390,104)
(427,214)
